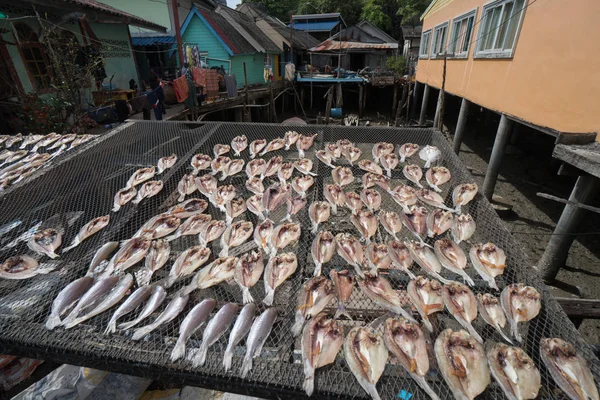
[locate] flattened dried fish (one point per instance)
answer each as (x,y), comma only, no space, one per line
(101,256)
(206,184)
(400,256)
(147,190)
(315,294)
(353,202)
(255,185)
(426,295)
(430,154)
(278,269)
(462,304)
(186,186)
(377,255)
(334,194)
(405,196)
(452,258)
(416,222)
(220,270)
(191,226)
(407,150)
(350,249)
(164,163)
(158,226)
(223,195)
(256,167)
(220,149)
(489,261)
(219,164)
(462,228)
(66,298)
(365,223)
(140,176)
(413,173)
(304,143)
(391,222)
(371,198)
(173,309)
(492,313)
(254,204)
(274,145)
(285,172)
(46,242)
(370,166)
(247,272)
(275,196)
(352,154)
(273,165)
(239,144)
(380,149)
(234,208)
(200,162)
(235,235)
(190,324)
(256,146)
(240,329)
(290,137)
(427,260)
(463,194)
(379,289)
(515,371)
(294,205)
(301,184)
(344,285)
(318,212)
(187,263)
(89,229)
(438,221)
(215,328)
(322,250)
(232,168)
(123,197)
(304,166)
(342,176)
(437,176)
(157,257)
(130,253)
(211,231)
(433,199)
(520,303)
(389,162)
(263,233)
(285,235)
(259,332)
(333,150)
(30,139)
(366,355)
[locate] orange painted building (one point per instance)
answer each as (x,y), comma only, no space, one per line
(535,60)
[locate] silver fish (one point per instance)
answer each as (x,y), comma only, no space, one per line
(342,176)
(350,249)
(463,194)
(263,233)
(81,139)
(92,297)
(273,165)
(255,205)
(211,231)
(156,299)
(353,202)
(235,235)
(436,176)
(433,199)
(274,145)
(66,298)
(219,164)
(187,263)
(515,371)
(171,311)
(147,190)
(378,258)
(380,149)
(426,296)
(400,256)
(206,184)
(391,222)
(284,235)
(101,256)
(405,196)
(365,223)
(290,137)
(165,163)
(371,198)
(220,270)
(405,340)
(430,154)
(259,332)
(427,260)
(190,324)
(200,162)
(322,339)
(366,355)
(278,269)
(407,150)
(130,253)
(255,185)
(239,144)
(256,146)
(223,195)
(157,257)
(46,140)
(65,139)
(232,168)
(133,301)
(186,186)
(568,369)
(463,227)
(256,168)
(334,194)
(215,328)
(192,226)
(247,272)
(322,250)
(140,176)
(462,362)
(304,143)
(275,196)
(89,229)
(302,183)
(325,157)
(110,300)
(379,289)
(413,173)
(315,294)
(343,283)
(31,139)
(520,303)
(318,212)
(294,205)
(452,258)
(370,166)
(188,208)
(123,197)
(158,226)
(438,221)
(15,156)
(304,166)
(389,162)
(285,172)
(489,261)
(416,222)
(352,154)
(240,329)
(46,242)
(333,150)
(220,149)
(462,304)
(492,313)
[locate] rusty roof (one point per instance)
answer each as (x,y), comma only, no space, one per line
(333,45)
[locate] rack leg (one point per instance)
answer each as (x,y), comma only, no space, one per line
(438,110)
(424,105)
(502,136)
(461,124)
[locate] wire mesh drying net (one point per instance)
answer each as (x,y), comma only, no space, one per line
(83,187)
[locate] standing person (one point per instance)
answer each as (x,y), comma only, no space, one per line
(156,98)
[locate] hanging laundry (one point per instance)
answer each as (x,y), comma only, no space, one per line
(190,57)
(212,83)
(181,88)
(231,85)
(196,54)
(199,75)
(290,71)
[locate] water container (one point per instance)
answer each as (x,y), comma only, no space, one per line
(336,112)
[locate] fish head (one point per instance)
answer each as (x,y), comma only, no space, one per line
(413,172)
(370,166)
(408,149)
(304,142)
(334,150)
(342,175)
(220,149)
(352,153)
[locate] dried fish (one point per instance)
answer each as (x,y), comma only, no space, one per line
(164,163)
(259,332)
(290,137)
(437,176)
(380,149)
(157,257)
(416,222)
(371,198)
(463,194)
(285,172)
(232,168)
(489,261)
(378,258)
(215,328)
(219,164)
(200,162)
(239,144)
(462,362)
(256,146)
(344,285)
(462,228)
(304,166)
(240,329)
(147,190)
(89,229)
(211,231)
(407,150)
(294,205)
(186,186)
(433,199)
(92,297)
(492,313)
(342,176)
(515,371)
(438,221)
(220,270)
(192,226)
(366,355)
(427,260)
(275,196)
(389,162)
(133,301)
(66,298)
(255,185)
(278,269)
(206,184)
(190,324)
(65,139)
(379,289)
(256,167)
(158,226)
(352,154)
(235,235)
(101,256)
(247,272)
(344,144)
(222,196)
(318,212)
(30,139)
(333,150)
(322,250)
(426,295)
(302,183)
(187,263)
(220,149)
(274,145)
(254,204)
(156,299)
(123,197)
(284,235)
(304,143)
(130,253)
(400,256)
(365,223)
(315,294)
(430,154)
(173,309)
(520,303)
(350,249)
(370,166)
(353,202)
(263,233)
(140,176)
(452,258)
(568,369)
(405,196)
(413,173)
(273,165)
(391,222)
(234,208)
(334,194)
(46,242)
(462,304)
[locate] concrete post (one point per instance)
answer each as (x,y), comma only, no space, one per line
(438,110)
(557,250)
(502,136)
(461,124)
(415,99)
(424,105)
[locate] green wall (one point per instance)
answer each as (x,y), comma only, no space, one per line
(254,68)
(156,11)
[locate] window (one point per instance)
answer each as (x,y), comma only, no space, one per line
(462,30)
(34,55)
(267,61)
(499,26)
(438,46)
(424,48)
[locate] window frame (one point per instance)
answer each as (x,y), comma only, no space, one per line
(423,55)
(498,53)
(432,54)
(463,17)
(26,44)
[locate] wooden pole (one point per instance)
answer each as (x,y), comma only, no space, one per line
(272,102)
(361,109)
(328,106)
(247,117)
(395,101)
(311,95)
(423,113)
(177,32)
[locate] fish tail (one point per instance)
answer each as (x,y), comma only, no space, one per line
(246,296)
(200,357)
(227,359)
(341,310)
(297,327)
(246,366)
(371,390)
(504,336)
(116,208)
(315,228)
(178,351)
(224,252)
(137,201)
(389,173)
(468,279)
(52,255)
(75,322)
(111,328)
(269,297)
(71,247)
(53,322)
(181,198)
(128,325)
(515,330)
(309,385)
(474,333)
(493,284)
(318,269)
(141,332)
(425,386)
(334,209)
(311,173)
(171,238)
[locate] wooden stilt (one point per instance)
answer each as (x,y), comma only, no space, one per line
(329,102)
(502,136)
(395,100)
(272,107)
(461,124)
(424,105)
(361,106)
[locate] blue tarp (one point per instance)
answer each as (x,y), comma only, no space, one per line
(314,26)
(152,40)
(352,79)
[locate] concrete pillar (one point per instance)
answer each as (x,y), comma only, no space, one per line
(557,250)
(461,124)
(502,136)
(414,100)
(438,109)
(424,105)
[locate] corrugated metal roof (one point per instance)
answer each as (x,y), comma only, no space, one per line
(151,40)
(317,16)
(232,38)
(315,26)
(434,7)
(300,39)
(249,26)
(333,46)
